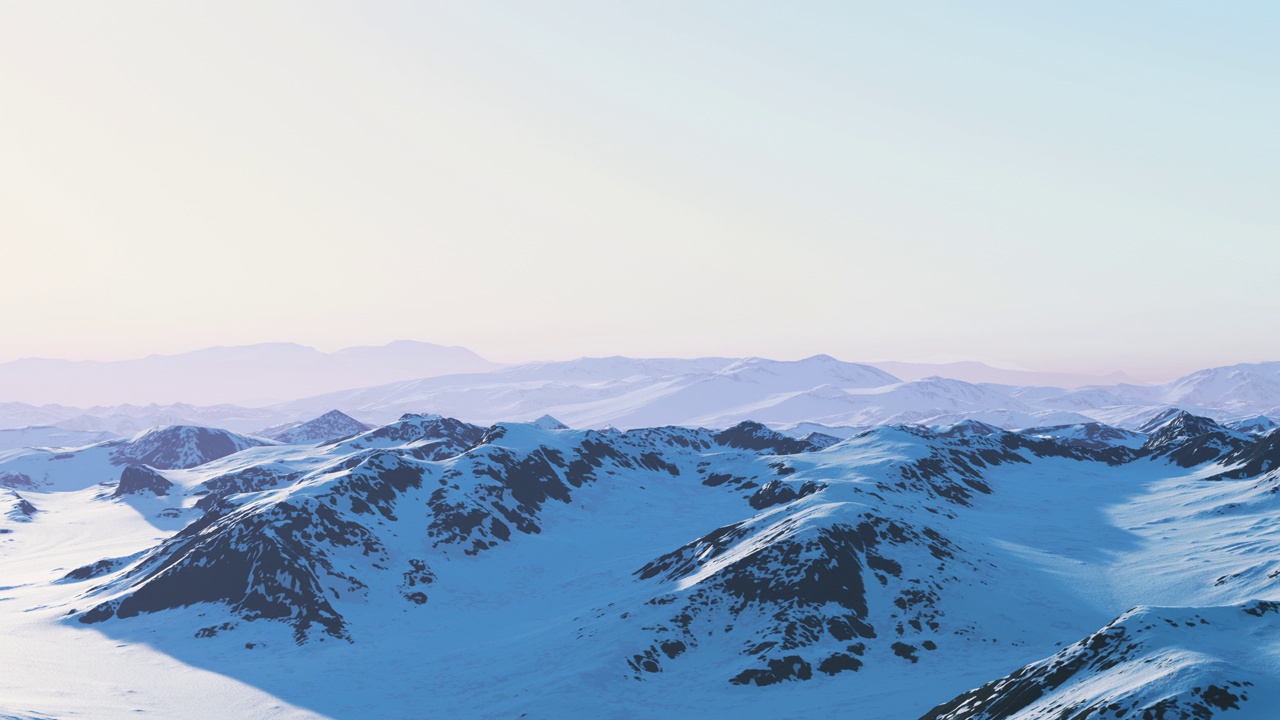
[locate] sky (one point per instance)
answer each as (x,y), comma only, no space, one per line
(1076,187)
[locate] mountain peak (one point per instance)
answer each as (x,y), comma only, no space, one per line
(546,422)
(332,425)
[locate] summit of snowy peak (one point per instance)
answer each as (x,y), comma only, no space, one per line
(332,425)
(546,422)
(968,428)
(1191,440)
(1182,424)
(1168,416)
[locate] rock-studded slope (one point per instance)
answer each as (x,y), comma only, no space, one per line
(291,545)
(1150,664)
(772,562)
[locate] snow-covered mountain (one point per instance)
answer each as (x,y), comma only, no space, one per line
(529,568)
(710,392)
(716,392)
(593,392)
(1256,425)
(329,426)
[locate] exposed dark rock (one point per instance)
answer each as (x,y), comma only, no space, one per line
(16,481)
(141,480)
(754,436)
(791,667)
(252,479)
(434,437)
(777,492)
(838,663)
(93,570)
(1252,460)
(180,446)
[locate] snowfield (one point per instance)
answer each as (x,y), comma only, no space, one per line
(430,567)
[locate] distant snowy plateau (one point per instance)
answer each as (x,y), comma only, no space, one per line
(738,538)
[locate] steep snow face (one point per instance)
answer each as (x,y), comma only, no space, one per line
(332,425)
(666,569)
(1148,663)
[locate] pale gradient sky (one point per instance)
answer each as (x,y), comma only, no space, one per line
(1086,188)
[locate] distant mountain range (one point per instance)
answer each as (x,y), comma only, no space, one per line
(818,391)
(251,375)
(815,394)
(977,372)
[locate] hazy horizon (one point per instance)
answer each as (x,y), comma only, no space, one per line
(1076,189)
(1117,374)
